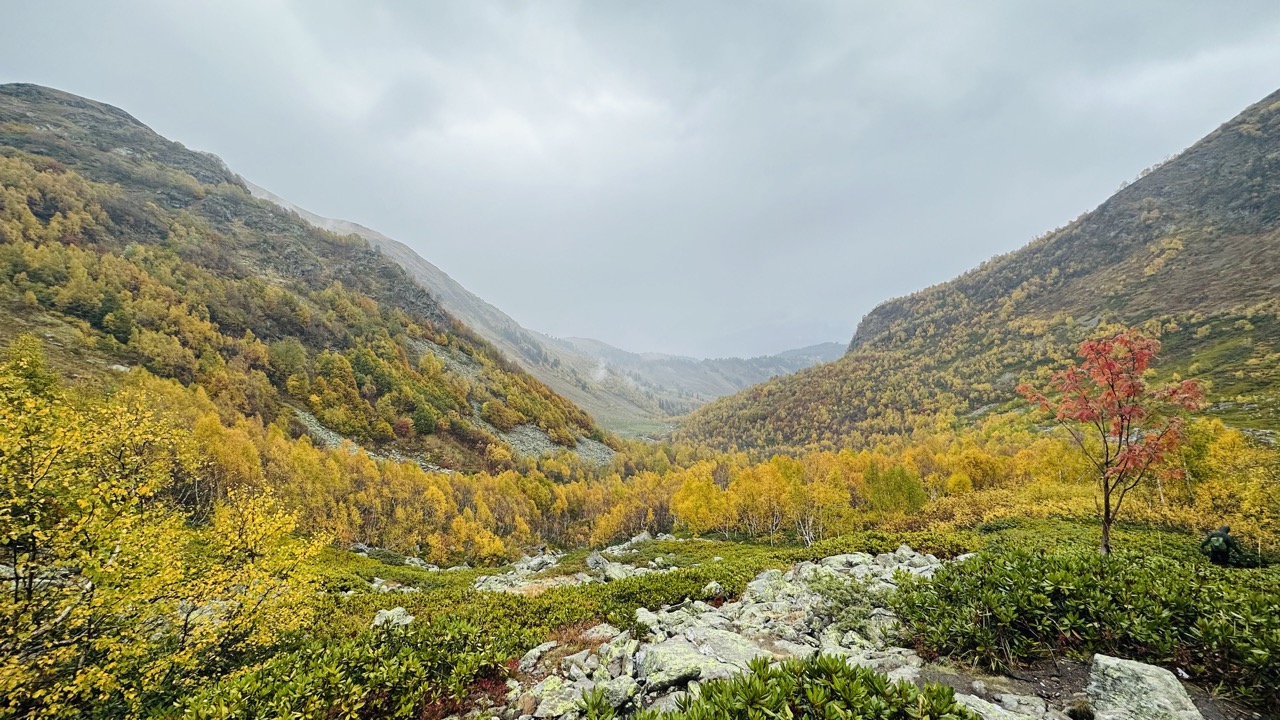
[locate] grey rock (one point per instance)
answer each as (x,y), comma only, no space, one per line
(617,571)
(531,658)
(395,617)
(1129,690)
(765,587)
(576,661)
(596,561)
(672,664)
(724,646)
(603,632)
(619,691)
(1025,704)
(846,562)
(648,618)
(988,711)
(558,698)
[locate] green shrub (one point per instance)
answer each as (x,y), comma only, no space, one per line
(848,601)
(992,526)
(389,673)
(823,688)
(999,609)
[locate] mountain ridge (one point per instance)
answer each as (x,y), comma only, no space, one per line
(1187,251)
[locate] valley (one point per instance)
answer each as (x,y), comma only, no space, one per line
(259,463)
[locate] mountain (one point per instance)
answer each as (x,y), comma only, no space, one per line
(1190,252)
(124,248)
(628,393)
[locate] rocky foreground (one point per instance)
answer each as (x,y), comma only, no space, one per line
(784,615)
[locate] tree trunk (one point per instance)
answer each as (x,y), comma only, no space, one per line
(1107,516)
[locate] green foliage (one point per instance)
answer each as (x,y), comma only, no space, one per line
(383,673)
(1014,605)
(820,688)
(848,601)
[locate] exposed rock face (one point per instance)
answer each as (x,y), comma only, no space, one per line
(1128,690)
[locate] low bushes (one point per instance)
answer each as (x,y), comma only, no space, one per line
(387,673)
(820,688)
(1002,608)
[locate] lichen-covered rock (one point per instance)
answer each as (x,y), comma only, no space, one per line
(619,691)
(725,647)
(557,698)
(603,632)
(674,663)
(1129,690)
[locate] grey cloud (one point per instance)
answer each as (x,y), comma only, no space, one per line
(701,178)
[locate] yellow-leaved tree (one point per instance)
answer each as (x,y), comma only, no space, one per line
(113,600)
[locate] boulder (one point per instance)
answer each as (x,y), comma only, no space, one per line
(724,646)
(596,561)
(765,587)
(846,562)
(671,664)
(1129,690)
(395,617)
(619,691)
(617,571)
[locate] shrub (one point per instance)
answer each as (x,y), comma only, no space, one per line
(1220,626)
(388,673)
(848,601)
(822,687)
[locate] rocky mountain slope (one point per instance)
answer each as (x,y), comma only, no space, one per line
(124,248)
(1190,252)
(628,393)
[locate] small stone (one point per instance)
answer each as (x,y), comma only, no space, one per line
(395,617)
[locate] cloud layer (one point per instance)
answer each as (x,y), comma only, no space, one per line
(699,178)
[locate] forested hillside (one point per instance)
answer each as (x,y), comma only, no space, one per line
(633,394)
(1190,252)
(128,249)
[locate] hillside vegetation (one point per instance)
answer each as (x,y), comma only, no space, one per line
(1190,252)
(150,254)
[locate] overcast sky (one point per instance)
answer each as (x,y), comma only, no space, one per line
(730,178)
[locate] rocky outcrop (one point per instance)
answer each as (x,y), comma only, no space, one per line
(1127,690)
(524,579)
(781,615)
